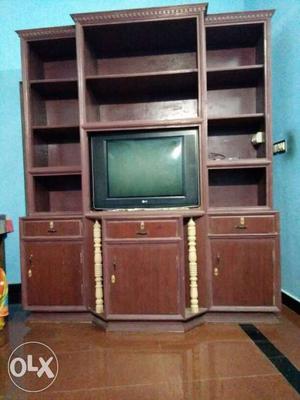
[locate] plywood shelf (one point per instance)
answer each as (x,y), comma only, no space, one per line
(242,76)
(56,171)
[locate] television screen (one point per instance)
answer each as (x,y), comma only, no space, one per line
(142,169)
(145,167)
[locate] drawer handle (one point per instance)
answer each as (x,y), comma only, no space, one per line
(240,227)
(51,227)
(142,231)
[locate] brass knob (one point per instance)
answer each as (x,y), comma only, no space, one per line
(216,271)
(113,279)
(142,229)
(241,225)
(29,273)
(51,228)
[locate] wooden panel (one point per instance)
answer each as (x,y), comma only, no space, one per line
(56,274)
(147,63)
(229,58)
(53,58)
(142,38)
(257,224)
(152,110)
(161,96)
(233,36)
(52,228)
(58,193)
(47,112)
(245,272)
(147,279)
(228,102)
(237,187)
(234,143)
(56,149)
(141,229)
(60,69)
(62,111)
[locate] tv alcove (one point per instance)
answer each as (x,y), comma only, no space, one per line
(94,242)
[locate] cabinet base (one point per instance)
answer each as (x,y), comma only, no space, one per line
(185,325)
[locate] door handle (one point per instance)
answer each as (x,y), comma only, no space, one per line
(29,273)
(216,269)
(113,279)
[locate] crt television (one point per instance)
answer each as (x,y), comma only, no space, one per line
(145,169)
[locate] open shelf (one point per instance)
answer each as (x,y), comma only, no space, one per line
(140,47)
(240,187)
(242,162)
(61,148)
(235,45)
(137,75)
(52,58)
(58,193)
(230,139)
(56,87)
(235,101)
(56,170)
(62,129)
(143,97)
(221,78)
(54,104)
(229,121)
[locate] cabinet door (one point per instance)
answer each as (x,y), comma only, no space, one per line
(53,274)
(143,278)
(243,272)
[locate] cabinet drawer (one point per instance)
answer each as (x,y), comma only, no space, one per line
(128,229)
(242,224)
(52,228)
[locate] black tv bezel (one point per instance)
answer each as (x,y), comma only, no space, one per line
(98,164)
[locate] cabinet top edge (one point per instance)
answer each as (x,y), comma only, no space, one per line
(145,214)
(47,33)
(236,17)
(139,13)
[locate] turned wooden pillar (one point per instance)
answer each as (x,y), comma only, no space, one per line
(192,246)
(98,268)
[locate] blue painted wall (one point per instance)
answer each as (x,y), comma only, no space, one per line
(286,125)
(17,14)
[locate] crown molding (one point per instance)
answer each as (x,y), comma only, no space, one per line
(235,17)
(47,33)
(139,14)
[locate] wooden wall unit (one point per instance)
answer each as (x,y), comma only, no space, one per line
(167,67)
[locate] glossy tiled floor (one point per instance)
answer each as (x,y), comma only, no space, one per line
(213,361)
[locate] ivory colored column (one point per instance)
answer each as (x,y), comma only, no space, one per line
(193,265)
(98,268)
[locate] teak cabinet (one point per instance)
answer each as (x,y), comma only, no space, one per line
(54,275)
(168,67)
(144,260)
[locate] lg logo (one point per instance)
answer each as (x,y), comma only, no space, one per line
(33,367)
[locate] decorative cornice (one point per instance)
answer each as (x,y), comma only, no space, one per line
(246,16)
(139,14)
(47,33)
